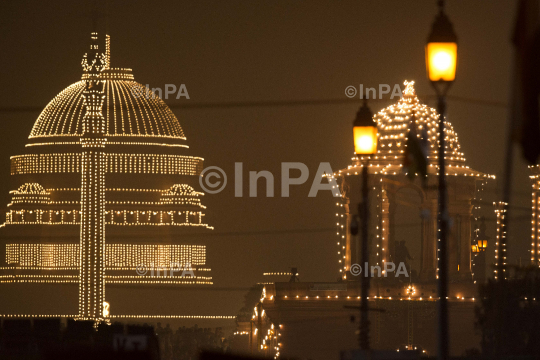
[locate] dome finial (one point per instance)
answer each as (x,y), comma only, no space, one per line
(409,88)
(440,4)
(94,62)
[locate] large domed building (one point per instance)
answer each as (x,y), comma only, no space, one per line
(105,194)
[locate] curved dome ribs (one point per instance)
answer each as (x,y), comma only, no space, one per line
(79,116)
(124,98)
(394,123)
(130,110)
(136,100)
(49,119)
(31,188)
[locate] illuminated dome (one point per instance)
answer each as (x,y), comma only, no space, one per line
(394,124)
(182,190)
(182,194)
(31,188)
(126,113)
(392,185)
(130,109)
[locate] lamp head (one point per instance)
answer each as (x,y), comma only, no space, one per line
(365,132)
(441,53)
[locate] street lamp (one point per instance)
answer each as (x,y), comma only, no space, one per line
(441,53)
(441,63)
(365,143)
(479,260)
(482,245)
(365,132)
(479,247)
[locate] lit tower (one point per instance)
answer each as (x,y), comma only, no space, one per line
(92,237)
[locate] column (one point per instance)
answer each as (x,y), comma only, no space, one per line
(92,235)
(384,227)
(535,222)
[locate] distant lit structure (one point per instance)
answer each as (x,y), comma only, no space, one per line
(535,221)
(388,176)
(107,187)
(310,313)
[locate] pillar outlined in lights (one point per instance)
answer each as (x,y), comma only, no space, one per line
(500,250)
(535,220)
(92,236)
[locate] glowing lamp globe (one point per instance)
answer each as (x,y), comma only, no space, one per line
(482,244)
(441,59)
(441,51)
(364,132)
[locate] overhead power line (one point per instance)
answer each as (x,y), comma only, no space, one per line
(277,103)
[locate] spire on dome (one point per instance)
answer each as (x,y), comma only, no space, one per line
(409,88)
(440,4)
(94,62)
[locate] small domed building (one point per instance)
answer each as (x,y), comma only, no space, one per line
(392,187)
(403,214)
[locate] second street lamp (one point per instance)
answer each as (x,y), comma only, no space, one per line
(365,143)
(441,52)
(441,63)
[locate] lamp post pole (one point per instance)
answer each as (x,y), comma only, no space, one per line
(363,209)
(441,62)
(443,233)
(365,143)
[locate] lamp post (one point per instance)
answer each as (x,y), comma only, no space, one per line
(365,143)
(441,62)
(479,251)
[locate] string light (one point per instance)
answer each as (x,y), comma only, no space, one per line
(207,317)
(163,164)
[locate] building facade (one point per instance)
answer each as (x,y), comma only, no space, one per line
(392,187)
(105,194)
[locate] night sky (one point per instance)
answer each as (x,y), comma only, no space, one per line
(231,53)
